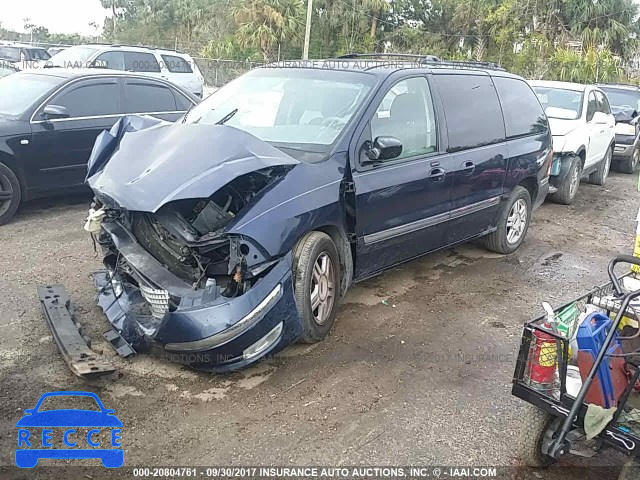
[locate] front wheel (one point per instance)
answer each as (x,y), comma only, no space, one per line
(512,224)
(316,270)
(630,164)
(599,177)
(568,189)
(535,423)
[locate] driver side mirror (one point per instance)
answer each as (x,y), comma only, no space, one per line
(600,118)
(382,148)
(52,112)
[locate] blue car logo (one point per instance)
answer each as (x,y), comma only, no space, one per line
(32,447)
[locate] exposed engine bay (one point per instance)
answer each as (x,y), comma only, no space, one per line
(188,236)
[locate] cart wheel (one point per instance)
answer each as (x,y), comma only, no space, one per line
(535,423)
(630,470)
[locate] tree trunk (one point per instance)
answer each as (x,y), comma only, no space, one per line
(374,26)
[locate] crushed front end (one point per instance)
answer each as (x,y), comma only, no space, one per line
(176,283)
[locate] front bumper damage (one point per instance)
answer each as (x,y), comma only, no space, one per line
(196,327)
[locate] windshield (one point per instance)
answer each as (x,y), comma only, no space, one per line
(296,109)
(560,103)
(37,54)
(623,99)
(74,57)
(19,91)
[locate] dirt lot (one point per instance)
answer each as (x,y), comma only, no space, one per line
(412,382)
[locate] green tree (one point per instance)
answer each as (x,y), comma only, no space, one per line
(265,24)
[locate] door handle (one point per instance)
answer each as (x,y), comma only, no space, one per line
(467,168)
(437,175)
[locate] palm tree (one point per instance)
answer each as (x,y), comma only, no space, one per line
(376,7)
(266,23)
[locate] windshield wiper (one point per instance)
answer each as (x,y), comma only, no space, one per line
(227,117)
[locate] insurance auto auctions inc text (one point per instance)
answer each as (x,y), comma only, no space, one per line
(350,472)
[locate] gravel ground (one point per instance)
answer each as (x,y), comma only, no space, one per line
(424,380)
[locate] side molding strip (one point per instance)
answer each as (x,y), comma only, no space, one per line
(430,221)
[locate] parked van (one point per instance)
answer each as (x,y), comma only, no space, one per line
(334,171)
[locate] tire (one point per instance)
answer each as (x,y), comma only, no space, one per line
(599,177)
(313,249)
(535,423)
(567,191)
(9,187)
(516,212)
(630,165)
(630,470)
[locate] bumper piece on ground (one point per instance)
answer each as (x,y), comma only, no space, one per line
(82,361)
(119,344)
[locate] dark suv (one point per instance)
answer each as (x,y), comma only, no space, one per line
(233,233)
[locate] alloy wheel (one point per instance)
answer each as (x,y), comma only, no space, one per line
(574,182)
(635,158)
(6,194)
(607,164)
(322,288)
(517,221)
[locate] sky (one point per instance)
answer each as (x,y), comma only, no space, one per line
(59,16)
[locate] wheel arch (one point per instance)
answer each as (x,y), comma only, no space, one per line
(581,153)
(531,185)
(16,168)
(343,246)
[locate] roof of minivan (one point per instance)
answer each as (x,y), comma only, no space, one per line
(384,67)
(578,87)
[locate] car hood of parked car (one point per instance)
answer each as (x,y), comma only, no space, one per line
(560,127)
(143,163)
(11,126)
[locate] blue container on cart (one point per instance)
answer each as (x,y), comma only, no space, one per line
(611,380)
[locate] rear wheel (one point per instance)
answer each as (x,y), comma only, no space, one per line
(316,271)
(630,164)
(512,224)
(568,189)
(10,194)
(535,423)
(599,177)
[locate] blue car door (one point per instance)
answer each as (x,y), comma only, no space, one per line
(478,152)
(402,203)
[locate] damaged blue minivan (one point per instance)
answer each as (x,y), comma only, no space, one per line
(233,233)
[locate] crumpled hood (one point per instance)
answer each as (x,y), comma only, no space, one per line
(143,163)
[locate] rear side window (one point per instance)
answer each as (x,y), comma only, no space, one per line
(96,99)
(603,103)
(141,62)
(176,64)
(523,113)
(110,60)
(147,97)
(472,109)
(592,106)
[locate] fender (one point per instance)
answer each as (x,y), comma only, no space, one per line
(565,163)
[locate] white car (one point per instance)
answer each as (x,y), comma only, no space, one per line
(583,130)
(178,68)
